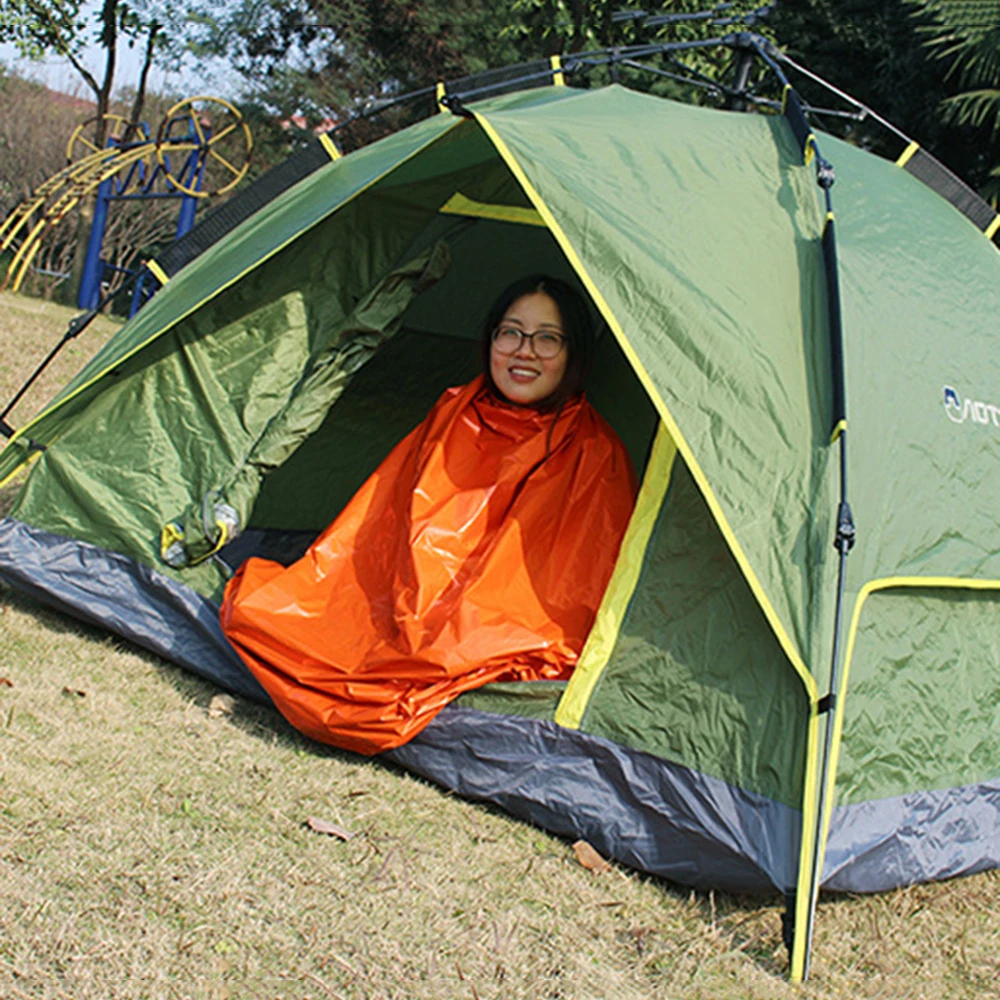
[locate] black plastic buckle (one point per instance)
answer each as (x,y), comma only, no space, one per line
(454,104)
(846,532)
(825,174)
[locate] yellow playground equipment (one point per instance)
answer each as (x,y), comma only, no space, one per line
(203,147)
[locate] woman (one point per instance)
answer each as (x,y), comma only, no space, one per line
(478,551)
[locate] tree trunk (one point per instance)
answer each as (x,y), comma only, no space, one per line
(85,218)
(140,91)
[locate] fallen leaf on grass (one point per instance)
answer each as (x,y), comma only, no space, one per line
(74,692)
(639,936)
(6,682)
(220,705)
(589,858)
(325,826)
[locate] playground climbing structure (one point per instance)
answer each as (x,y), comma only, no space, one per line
(203,147)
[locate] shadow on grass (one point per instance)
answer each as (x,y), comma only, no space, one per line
(745,924)
(252,717)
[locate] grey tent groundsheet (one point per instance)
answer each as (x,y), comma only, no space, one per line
(112,591)
(647,812)
(663,819)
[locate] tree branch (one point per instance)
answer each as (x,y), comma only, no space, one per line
(140,90)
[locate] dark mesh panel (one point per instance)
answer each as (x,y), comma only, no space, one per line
(797,119)
(492,82)
(224,219)
(937,176)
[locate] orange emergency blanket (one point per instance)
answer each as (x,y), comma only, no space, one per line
(478,551)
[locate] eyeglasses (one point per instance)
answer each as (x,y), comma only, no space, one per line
(546,345)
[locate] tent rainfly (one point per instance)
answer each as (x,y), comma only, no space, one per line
(752,710)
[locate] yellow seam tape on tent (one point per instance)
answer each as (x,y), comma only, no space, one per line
(886,583)
(806,858)
(992,228)
(807,849)
(218,291)
(603,636)
(439,95)
(330,146)
(458,204)
(32,456)
(157,272)
(558,79)
(838,430)
(784,639)
(907,154)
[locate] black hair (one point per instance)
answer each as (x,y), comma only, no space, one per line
(576,327)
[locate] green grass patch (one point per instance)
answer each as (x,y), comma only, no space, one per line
(149,849)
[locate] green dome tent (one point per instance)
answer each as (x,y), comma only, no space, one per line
(239,410)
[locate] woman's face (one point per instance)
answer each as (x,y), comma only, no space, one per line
(523,377)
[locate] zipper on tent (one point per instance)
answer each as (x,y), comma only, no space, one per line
(604,634)
(781,633)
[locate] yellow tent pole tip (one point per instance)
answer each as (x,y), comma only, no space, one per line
(330,146)
(558,79)
(907,154)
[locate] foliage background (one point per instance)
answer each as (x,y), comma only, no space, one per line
(931,67)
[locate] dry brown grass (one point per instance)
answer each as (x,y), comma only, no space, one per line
(151,850)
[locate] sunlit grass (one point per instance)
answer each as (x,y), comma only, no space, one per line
(152,849)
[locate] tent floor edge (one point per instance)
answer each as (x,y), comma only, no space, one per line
(632,806)
(115,592)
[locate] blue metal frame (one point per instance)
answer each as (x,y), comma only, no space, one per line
(117,188)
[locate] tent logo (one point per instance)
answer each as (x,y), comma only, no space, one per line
(977,412)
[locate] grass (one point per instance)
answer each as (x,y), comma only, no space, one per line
(151,848)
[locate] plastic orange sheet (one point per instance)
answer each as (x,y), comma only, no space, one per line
(478,551)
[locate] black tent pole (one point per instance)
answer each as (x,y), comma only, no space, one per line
(76,326)
(843,542)
(845,533)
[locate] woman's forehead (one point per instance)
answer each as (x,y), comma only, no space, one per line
(535,309)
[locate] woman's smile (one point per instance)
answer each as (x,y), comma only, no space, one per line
(523,374)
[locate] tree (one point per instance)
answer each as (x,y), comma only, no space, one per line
(877,52)
(64,28)
(965,35)
(329,59)
(562,26)
(332,58)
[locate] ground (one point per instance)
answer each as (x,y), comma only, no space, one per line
(155,843)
